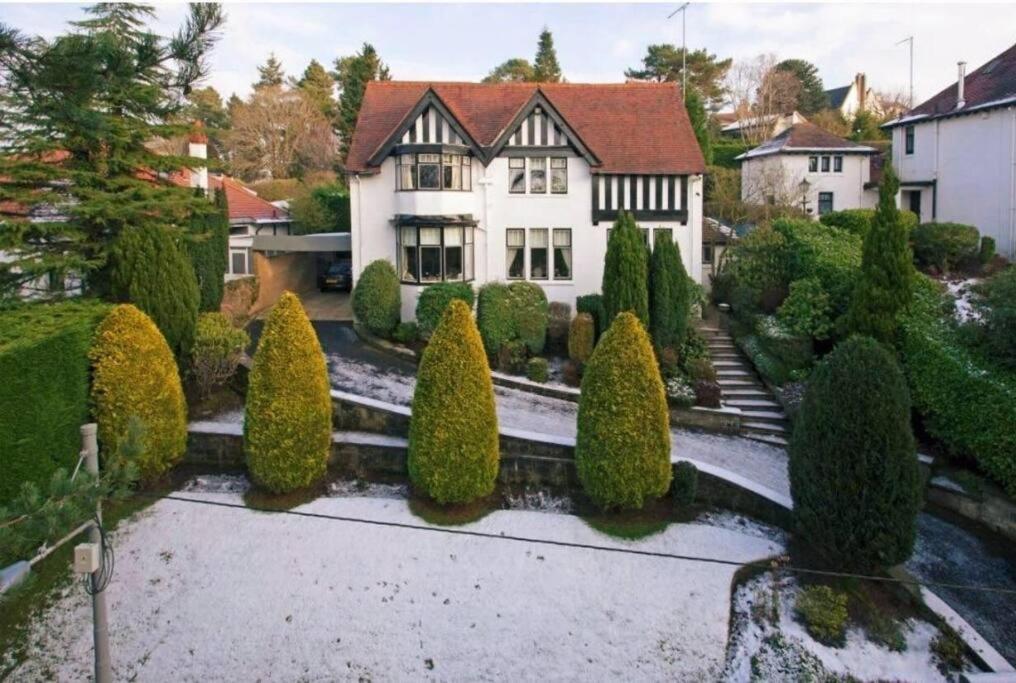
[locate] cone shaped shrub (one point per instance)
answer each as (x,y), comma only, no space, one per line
(134,374)
(853,465)
(453,435)
(669,296)
(288,423)
(377,298)
(623,448)
(625,271)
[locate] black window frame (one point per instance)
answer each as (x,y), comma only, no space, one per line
(838,163)
(533,175)
(464,164)
(825,163)
(570,262)
(522,250)
(908,140)
(555,170)
(512,169)
(813,164)
(546,253)
(707,253)
(822,197)
(467,243)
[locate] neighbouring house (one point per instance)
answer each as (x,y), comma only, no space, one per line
(733,125)
(716,237)
(852,98)
(809,167)
(955,154)
(518,181)
(249,215)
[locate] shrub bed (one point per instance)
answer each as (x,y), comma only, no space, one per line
(512,312)
(433,301)
(377,298)
(44,393)
(858,221)
(581,338)
(593,305)
(945,246)
(216,354)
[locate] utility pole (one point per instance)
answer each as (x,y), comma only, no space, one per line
(684,46)
(100,616)
(910,39)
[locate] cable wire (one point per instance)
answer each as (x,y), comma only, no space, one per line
(98,581)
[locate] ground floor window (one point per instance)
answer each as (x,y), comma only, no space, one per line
(435,253)
(239,262)
(542,254)
(825,203)
(515,256)
(562,254)
(707,254)
(538,254)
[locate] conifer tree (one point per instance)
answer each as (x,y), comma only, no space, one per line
(271,73)
(886,282)
(699,122)
(319,87)
(668,294)
(208,247)
(352,74)
(77,114)
(626,271)
(545,66)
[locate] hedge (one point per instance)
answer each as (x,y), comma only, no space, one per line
(593,305)
(288,416)
(945,246)
(966,403)
(377,298)
(811,250)
(433,301)
(453,433)
(516,311)
(725,153)
(134,374)
(44,393)
(858,221)
(581,338)
(622,452)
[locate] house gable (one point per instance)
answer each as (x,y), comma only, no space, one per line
(539,124)
(429,122)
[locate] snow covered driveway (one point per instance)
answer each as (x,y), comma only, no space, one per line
(210,593)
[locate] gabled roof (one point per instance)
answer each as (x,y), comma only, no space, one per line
(244,203)
(806,137)
(629,127)
(992,84)
(836,96)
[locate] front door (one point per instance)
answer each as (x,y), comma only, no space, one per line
(915,203)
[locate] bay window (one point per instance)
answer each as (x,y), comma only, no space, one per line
(453,253)
(409,257)
(430,254)
(562,254)
(435,253)
(429,170)
(538,254)
(424,171)
(515,254)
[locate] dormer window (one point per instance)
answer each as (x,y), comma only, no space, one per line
(432,171)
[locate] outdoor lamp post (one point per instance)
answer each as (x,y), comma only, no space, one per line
(804,186)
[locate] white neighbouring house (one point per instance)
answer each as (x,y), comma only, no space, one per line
(852,98)
(518,181)
(808,167)
(955,154)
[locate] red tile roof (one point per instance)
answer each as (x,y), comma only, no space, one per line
(629,127)
(244,203)
(806,136)
(993,81)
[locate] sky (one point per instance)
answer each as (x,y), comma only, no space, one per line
(595,42)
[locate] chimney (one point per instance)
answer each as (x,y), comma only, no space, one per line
(197,146)
(860,84)
(960,96)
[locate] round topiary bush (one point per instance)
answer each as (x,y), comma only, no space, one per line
(581,338)
(623,449)
(149,268)
(288,418)
(377,300)
(453,434)
(945,245)
(853,465)
(538,370)
(517,311)
(433,301)
(134,374)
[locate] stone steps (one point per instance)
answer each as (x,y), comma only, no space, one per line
(768,438)
(765,427)
(754,404)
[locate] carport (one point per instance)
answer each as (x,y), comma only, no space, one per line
(293,262)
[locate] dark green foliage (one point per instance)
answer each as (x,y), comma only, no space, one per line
(352,74)
(319,87)
(514,70)
(685,484)
(669,295)
(324,209)
(824,612)
(886,284)
(581,338)
(593,305)
(545,66)
(806,310)
(208,246)
(811,250)
(558,319)
(945,246)
(700,368)
(517,311)
(79,112)
(406,333)
(537,370)
(625,271)
(433,301)
(44,392)
(453,433)
(987,250)
(853,462)
(377,298)
(511,357)
(706,73)
(725,153)
(150,269)
(999,313)
(699,123)
(623,448)
(812,97)
(271,74)
(858,221)
(966,402)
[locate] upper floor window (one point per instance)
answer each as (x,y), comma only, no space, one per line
(837,164)
(426,171)
(825,164)
(813,164)
(908,134)
(528,175)
(559,175)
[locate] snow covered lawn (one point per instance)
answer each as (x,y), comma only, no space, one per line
(211,593)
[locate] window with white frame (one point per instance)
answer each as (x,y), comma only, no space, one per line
(435,253)
(432,172)
(517,175)
(545,254)
(562,254)
(538,254)
(515,255)
(838,164)
(537,175)
(559,175)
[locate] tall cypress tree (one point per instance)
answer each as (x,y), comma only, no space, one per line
(78,112)
(545,66)
(699,122)
(626,271)
(208,247)
(886,283)
(352,74)
(668,294)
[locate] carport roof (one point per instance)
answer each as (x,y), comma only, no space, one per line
(325,241)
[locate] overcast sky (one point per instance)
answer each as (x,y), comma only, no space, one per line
(595,42)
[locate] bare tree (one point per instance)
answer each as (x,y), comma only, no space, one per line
(767,182)
(759,94)
(888,104)
(279,133)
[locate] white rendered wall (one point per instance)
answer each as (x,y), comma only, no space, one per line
(847,187)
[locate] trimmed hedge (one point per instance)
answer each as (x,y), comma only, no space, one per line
(134,374)
(377,298)
(433,301)
(858,221)
(516,311)
(965,402)
(622,453)
(288,417)
(453,434)
(593,305)
(44,392)
(538,370)
(999,312)
(834,257)
(853,462)
(581,338)
(945,246)
(685,485)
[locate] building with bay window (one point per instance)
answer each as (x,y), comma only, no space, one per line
(470,182)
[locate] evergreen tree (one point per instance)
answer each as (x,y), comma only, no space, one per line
(706,73)
(319,86)
(625,271)
(515,70)
(812,97)
(205,105)
(77,114)
(208,247)
(853,464)
(699,123)
(352,74)
(545,66)
(886,282)
(271,73)
(669,298)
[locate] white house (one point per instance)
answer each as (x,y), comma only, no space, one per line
(518,181)
(249,215)
(809,167)
(852,98)
(732,125)
(955,154)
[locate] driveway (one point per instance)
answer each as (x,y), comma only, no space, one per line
(328,306)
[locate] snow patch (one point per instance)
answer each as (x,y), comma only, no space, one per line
(964,296)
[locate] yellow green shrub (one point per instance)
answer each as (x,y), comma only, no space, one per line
(134,373)
(288,421)
(581,338)
(453,435)
(623,448)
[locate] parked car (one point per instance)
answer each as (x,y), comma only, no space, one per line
(338,276)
